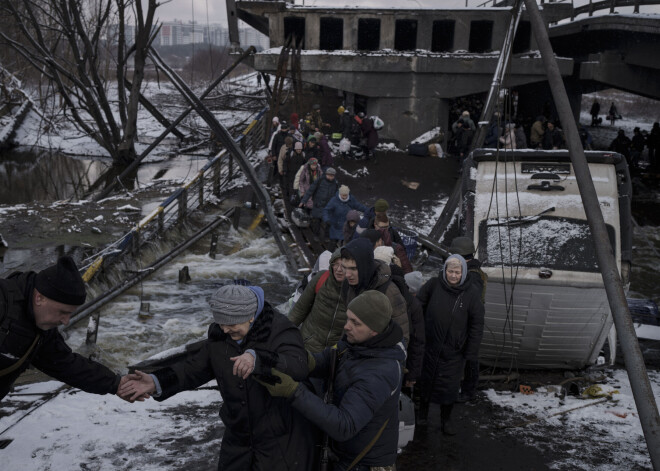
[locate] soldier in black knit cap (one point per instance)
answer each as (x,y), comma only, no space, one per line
(32,306)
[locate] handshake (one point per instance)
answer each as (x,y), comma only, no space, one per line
(136,386)
(139,386)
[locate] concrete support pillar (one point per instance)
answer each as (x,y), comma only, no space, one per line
(408,117)
(232,20)
(387,29)
(350,32)
(462,34)
(276,30)
(312,31)
(424,33)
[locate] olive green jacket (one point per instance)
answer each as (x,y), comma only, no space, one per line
(321,314)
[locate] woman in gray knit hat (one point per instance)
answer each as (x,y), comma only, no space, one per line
(247,339)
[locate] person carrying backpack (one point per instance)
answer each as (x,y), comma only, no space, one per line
(320,312)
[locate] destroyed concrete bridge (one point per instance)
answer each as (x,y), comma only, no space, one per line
(407,65)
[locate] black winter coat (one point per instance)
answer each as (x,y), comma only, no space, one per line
(262,432)
(454,324)
(51,354)
(369,133)
(321,192)
(416,325)
(366,394)
(278,142)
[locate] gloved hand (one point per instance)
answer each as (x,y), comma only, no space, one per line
(311,362)
(286,386)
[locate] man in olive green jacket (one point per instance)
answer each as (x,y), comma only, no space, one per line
(321,309)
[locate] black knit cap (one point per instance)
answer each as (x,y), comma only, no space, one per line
(62,282)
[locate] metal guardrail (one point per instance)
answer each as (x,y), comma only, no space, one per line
(589,8)
(510,3)
(186,199)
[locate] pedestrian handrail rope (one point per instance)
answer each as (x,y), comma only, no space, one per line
(186,198)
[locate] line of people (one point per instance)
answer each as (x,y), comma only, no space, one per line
(377,329)
(389,331)
(633,149)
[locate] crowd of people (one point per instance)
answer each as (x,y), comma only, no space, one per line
(302,159)
(321,383)
(309,136)
(545,133)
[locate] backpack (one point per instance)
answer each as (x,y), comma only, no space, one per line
(322,279)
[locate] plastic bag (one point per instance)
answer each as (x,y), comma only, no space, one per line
(344,145)
(378,123)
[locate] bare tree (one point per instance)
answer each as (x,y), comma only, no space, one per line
(67,40)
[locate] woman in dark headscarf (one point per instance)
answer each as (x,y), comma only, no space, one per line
(454,323)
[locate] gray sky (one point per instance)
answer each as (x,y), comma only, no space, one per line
(215,10)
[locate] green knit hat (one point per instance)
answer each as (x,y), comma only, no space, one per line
(374,309)
(381,206)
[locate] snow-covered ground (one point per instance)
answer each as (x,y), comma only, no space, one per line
(76,430)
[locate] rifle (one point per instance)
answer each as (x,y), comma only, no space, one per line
(325,451)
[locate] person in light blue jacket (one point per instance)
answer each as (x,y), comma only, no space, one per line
(334,213)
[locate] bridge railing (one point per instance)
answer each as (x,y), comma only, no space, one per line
(510,3)
(588,8)
(209,182)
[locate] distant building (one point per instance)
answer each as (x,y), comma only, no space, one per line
(178,33)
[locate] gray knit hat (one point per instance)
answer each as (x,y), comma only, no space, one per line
(373,308)
(414,281)
(233,304)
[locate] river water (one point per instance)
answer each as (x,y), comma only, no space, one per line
(178,313)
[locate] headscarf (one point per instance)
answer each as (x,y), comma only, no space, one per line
(464,269)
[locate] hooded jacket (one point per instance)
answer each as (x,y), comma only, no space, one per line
(348,231)
(374,274)
(323,313)
(335,213)
(262,432)
(50,354)
(366,395)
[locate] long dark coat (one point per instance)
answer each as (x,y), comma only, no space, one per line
(51,354)
(321,192)
(262,432)
(454,324)
(369,132)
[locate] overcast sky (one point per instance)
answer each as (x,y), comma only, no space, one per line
(215,10)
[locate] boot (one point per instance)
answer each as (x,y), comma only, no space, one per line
(445,416)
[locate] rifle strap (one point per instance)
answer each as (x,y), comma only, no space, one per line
(368,447)
(25,356)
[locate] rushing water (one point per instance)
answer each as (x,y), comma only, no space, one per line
(179,312)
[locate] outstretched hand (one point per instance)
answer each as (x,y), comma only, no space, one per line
(284,388)
(243,365)
(136,386)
